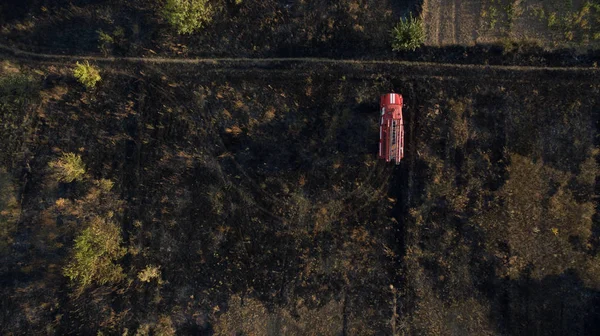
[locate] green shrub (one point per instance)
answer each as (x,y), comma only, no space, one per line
(96,253)
(105,41)
(105,37)
(87,74)
(187,16)
(68,168)
(408,34)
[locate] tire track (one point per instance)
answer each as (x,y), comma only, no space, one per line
(230,62)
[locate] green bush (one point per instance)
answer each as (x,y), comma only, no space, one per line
(409,34)
(68,168)
(87,74)
(106,41)
(187,16)
(96,253)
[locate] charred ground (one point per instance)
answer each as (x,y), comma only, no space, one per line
(257,195)
(248,194)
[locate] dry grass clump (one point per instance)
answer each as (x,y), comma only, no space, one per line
(68,168)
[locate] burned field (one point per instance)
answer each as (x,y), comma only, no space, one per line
(249,199)
(340,28)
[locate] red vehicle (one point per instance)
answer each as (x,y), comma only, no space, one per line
(391,128)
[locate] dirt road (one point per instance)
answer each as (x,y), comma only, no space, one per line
(440,68)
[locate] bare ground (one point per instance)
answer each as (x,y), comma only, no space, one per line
(451,22)
(552,24)
(254,186)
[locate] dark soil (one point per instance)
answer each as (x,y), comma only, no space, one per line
(254,189)
(263,183)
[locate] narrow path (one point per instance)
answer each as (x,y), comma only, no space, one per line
(26,55)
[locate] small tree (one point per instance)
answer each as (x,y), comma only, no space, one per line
(409,34)
(68,168)
(87,74)
(187,16)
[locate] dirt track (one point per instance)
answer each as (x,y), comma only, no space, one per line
(225,62)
